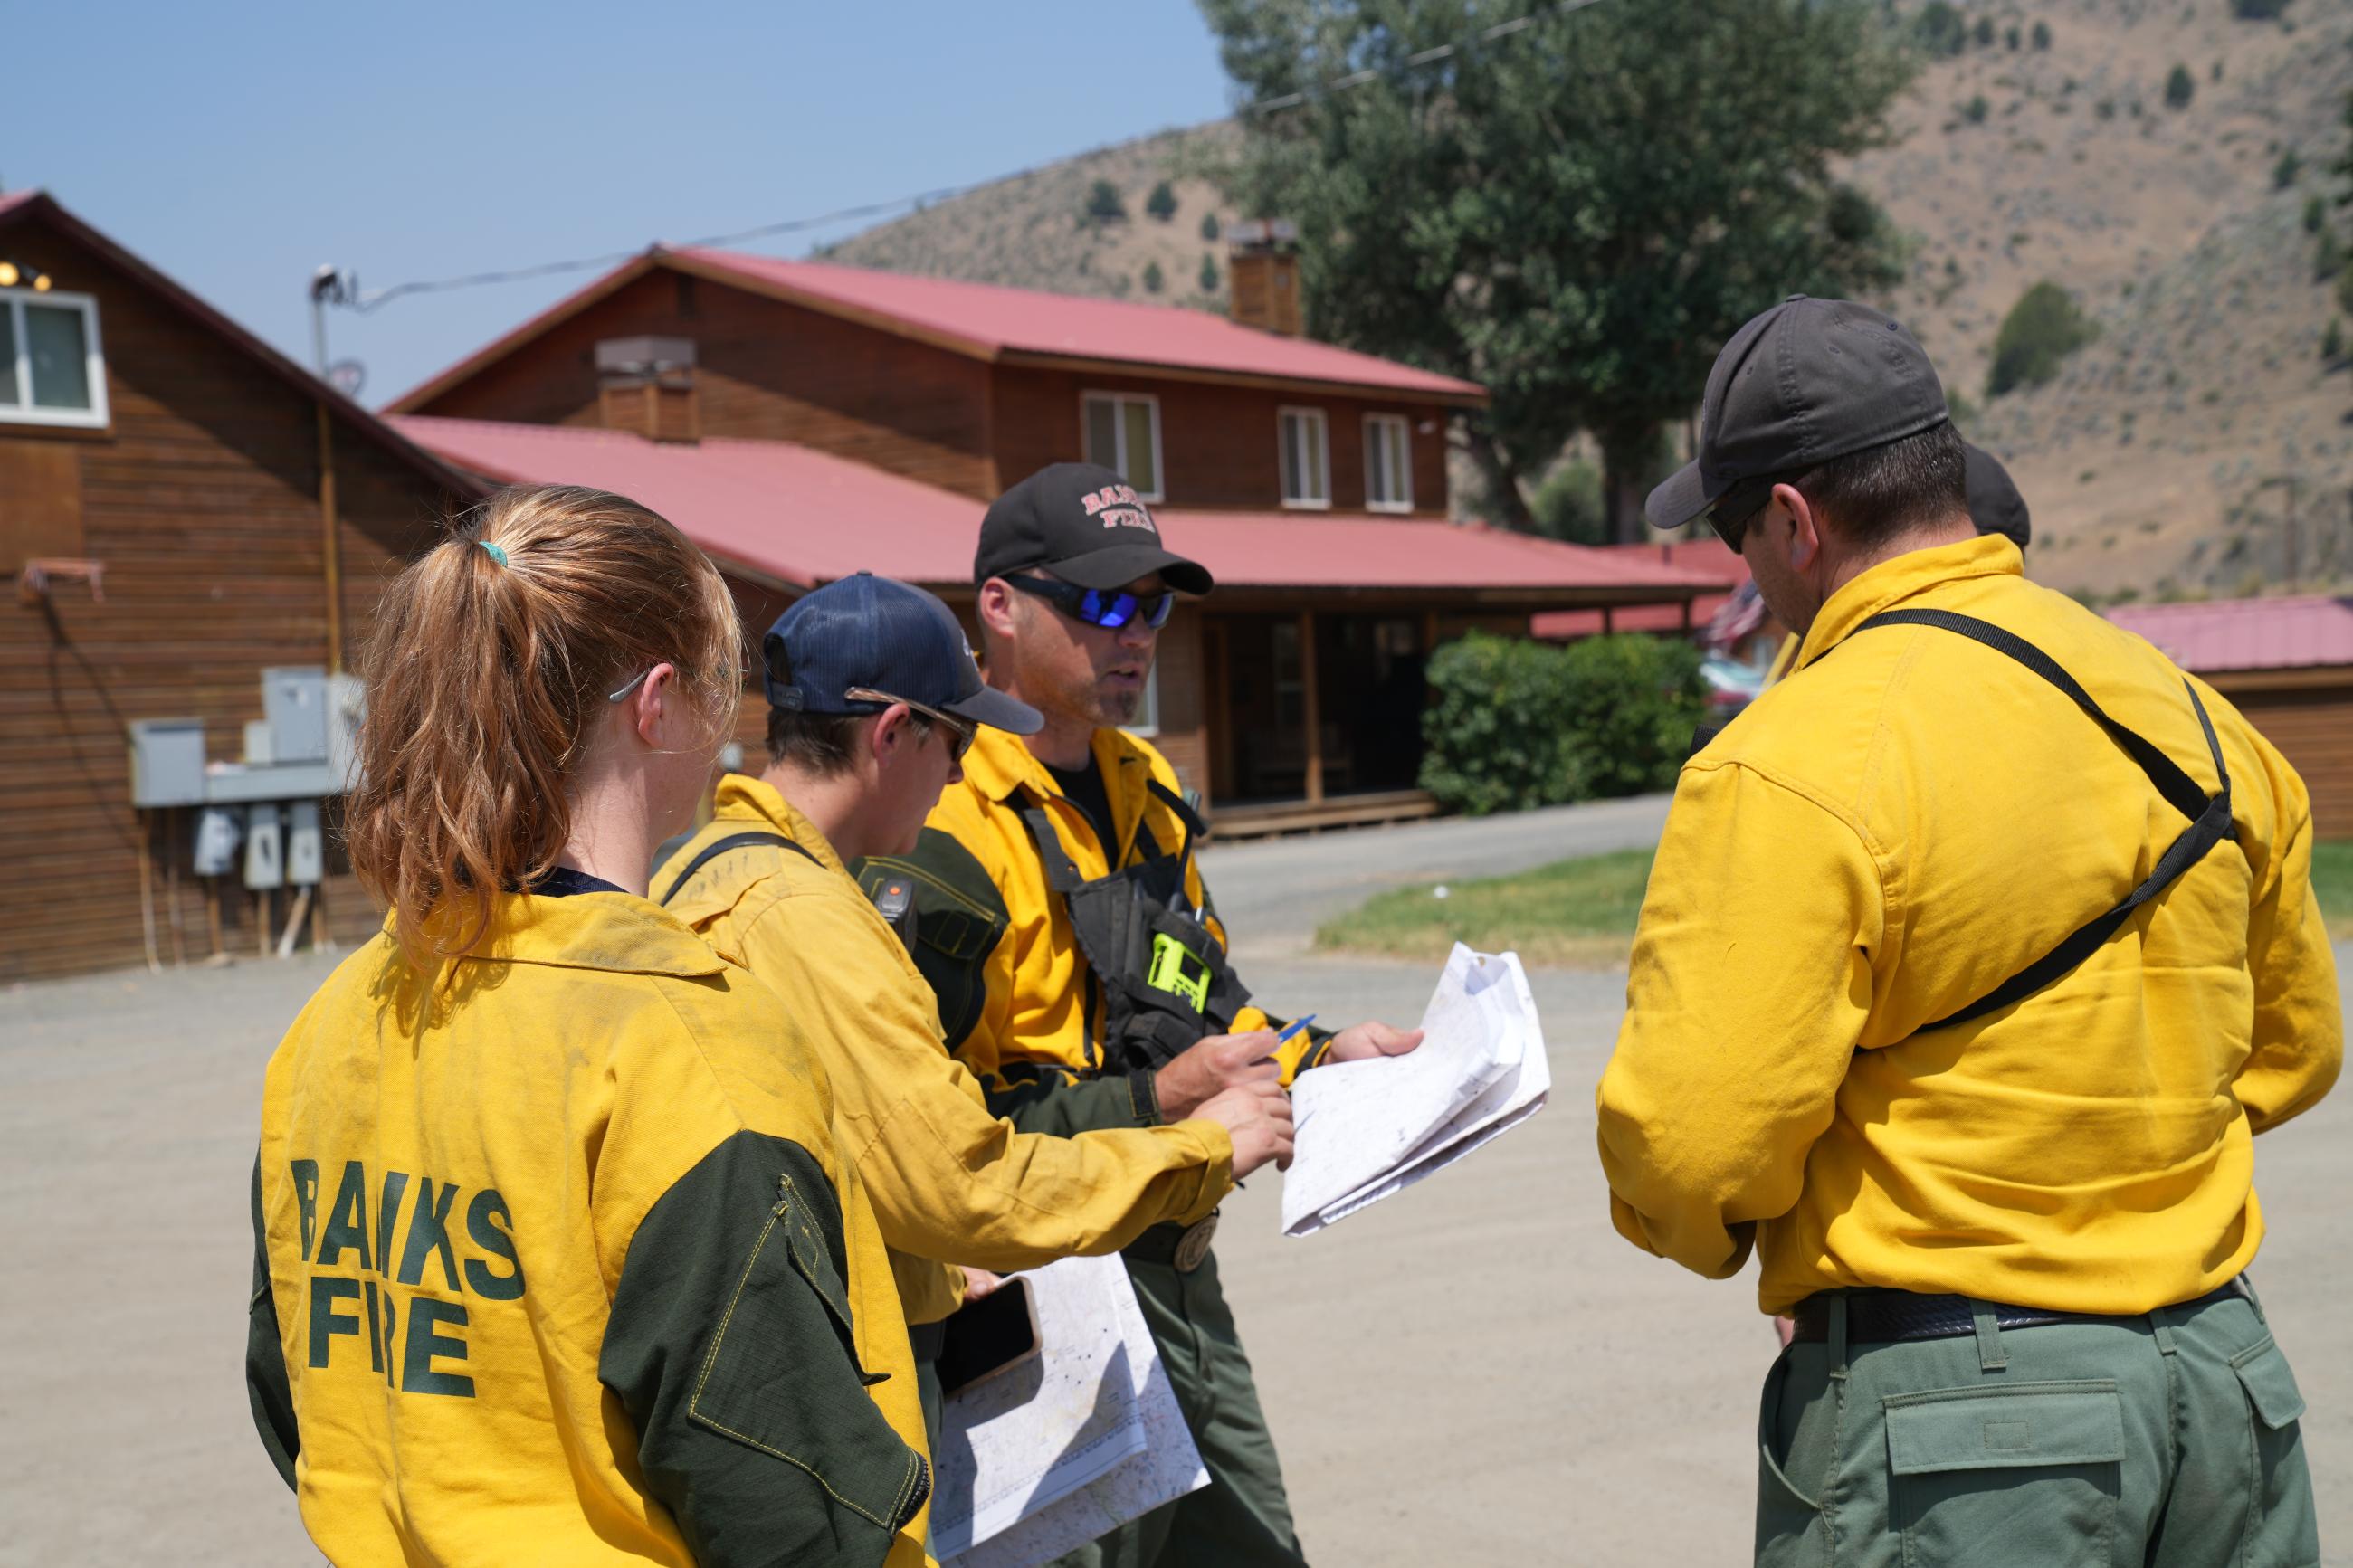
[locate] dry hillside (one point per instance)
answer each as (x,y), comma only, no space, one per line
(2164,458)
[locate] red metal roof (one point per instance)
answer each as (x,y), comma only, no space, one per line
(794,515)
(2246,634)
(1029,321)
(1710,557)
(995,323)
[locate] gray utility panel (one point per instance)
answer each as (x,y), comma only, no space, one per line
(294,705)
(167,761)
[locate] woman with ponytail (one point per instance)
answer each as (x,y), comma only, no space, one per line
(554,1260)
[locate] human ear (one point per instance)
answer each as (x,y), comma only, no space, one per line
(995,605)
(655,707)
(1805,527)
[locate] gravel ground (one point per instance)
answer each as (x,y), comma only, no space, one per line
(1479,1371)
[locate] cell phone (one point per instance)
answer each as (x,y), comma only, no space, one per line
(989,1336)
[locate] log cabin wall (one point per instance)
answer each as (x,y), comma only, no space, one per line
(202,501)
(2308,715)
(1218,444)
(763,370)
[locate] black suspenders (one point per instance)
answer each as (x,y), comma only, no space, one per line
(2210,815)
(717,847)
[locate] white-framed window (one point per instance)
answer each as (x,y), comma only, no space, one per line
(1123,431)
(51,370)
(1306,450)
(1146,722)
(1388,463)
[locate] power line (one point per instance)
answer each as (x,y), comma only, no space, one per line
(331,287)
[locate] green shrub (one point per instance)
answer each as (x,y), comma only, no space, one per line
(1153,278)
(2180,88)
(2284,172)
(2041,329)
(1567,505)
(1983,34)
(1515,724)
(1210,226)
(2010,38)
(2328,257)
(2041,34)
(1103,204)
(1209,274)
(2345,289)
(1974,110)
(2257,10)
(2316,213)
(1941,28)
(2332,343)
(1161,202)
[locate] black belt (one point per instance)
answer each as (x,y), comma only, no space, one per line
(1183,1247)
(928,1339)
(1887,1316)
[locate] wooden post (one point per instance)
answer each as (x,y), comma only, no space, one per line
(332,540)
(147,892)
(1687,622)
(1310,707)
(213,921)
(1608,620)
(172,885)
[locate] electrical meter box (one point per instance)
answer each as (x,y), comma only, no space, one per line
(167,761)
(265,847)
(306,846)
(294,703)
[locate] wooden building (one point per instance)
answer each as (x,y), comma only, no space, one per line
(802,421)
(2287,664)
(181,508)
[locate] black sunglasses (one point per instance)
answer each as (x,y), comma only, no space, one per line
(1109,608)
(963,731)
(1729,514)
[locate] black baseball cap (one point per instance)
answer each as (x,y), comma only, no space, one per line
(1085,524)
(879,635)
(1807,380)
(1994,505)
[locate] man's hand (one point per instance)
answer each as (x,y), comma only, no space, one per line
(1257,1116)
(1211,1064)
(1364,1041)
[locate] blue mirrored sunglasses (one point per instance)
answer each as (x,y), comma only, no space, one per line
(1109,608)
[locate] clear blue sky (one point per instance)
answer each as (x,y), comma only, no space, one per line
(239,146)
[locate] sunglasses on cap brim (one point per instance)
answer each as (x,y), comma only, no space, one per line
(962,732)
(1110,608)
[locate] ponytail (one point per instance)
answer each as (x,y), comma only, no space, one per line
(489,659)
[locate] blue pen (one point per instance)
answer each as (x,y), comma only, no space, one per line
(1291,1029)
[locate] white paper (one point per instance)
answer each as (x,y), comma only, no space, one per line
(1369,1129)
(1050,1455)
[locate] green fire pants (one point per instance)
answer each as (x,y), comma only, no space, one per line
(1241,1519)
(2168,1441)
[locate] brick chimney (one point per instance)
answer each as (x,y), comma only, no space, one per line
(1262,263)
(646,386)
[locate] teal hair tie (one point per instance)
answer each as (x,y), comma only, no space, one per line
(497,553)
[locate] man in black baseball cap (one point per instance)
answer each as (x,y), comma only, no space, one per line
(1080,968)
(1973,955)
(874,701)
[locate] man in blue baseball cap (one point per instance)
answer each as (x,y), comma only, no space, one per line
(873,698)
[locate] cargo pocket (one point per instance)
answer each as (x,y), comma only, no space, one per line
(2281,1524)
(765,1382)
(1791,1531)
(2022,1473)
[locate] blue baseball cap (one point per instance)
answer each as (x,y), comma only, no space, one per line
(877,635)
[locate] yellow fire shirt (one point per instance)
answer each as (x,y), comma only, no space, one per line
(949,1181)
(1016,1000)
(1900,826)
(555,1263)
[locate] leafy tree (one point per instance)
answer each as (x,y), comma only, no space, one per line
(1153,279)
(1103,204)
(1161,202)
(1209,277)
(1983,33)
(2257,10)
(1210,226)
(2041,34)
(1974,110)
(1568,505)
(2328,257)
(2316,213)
(2332,343)
(2284,172)
(1941,28)
(2180,86)
(1559,212)
(2010,36)
(2042,329)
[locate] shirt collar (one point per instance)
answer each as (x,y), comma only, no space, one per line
(744,798)
(1001,762)
(617,931)
(1902,577)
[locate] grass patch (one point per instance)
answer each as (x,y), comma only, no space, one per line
(1575,914)
(2332,879)
(1580,913)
